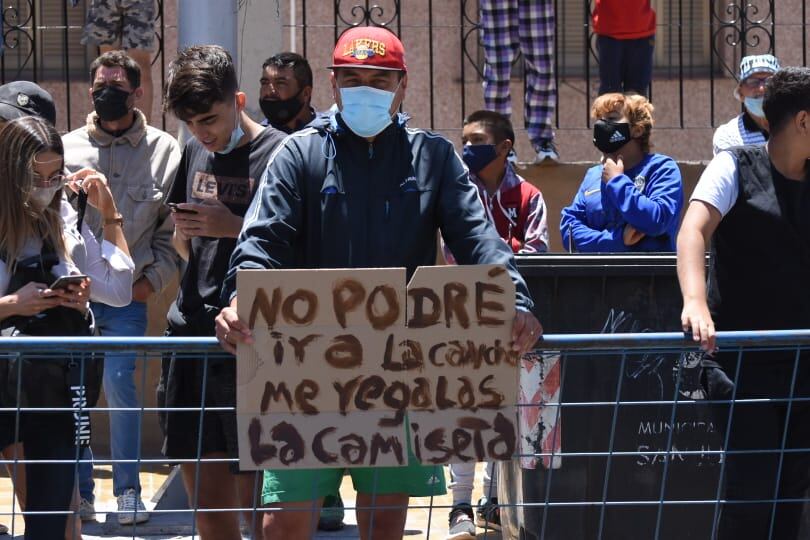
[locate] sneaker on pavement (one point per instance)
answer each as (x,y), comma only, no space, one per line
(131,509)
(547,151)
(461,523)
(3,529)
(331,518)
(87,511)
(488,515)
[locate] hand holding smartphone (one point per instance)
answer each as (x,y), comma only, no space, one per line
(63,281)
(179,210)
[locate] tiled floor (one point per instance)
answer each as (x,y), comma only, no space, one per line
(427,519)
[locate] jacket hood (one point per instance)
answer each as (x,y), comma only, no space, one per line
(133,135)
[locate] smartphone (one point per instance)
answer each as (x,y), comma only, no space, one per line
(176,208)
(64,281)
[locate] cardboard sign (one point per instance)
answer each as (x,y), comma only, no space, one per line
(350,368)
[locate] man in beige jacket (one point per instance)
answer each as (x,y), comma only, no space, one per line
(140,163)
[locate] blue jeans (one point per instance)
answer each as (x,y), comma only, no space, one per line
(625,65)
(119,389)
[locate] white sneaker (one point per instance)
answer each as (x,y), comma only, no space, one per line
(547,151)
(87,511)
(131,509)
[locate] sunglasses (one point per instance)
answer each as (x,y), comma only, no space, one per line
(755,82)
(55,179)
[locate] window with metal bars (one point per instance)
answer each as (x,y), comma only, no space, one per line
(42,40)
(682,35)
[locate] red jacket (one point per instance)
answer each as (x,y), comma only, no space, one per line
(624,19)
(518,212)
(513,211)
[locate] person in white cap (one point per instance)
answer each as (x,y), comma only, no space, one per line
(750,126)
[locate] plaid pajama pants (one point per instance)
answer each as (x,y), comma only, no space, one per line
(527,26)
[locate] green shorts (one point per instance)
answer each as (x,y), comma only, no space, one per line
(296,485)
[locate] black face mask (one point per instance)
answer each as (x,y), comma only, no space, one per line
(280,111)
(609,136)
(111,103)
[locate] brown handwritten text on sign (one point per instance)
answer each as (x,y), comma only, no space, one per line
(351,368)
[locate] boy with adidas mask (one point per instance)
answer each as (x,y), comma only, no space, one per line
(361,190)
(632,201)
(216,179)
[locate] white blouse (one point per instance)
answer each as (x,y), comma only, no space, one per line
(110,269)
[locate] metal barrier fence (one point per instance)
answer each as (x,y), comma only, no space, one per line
(642,451)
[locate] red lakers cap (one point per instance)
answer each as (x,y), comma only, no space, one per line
(369,47)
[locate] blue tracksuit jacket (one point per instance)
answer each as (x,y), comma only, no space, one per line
(649,197)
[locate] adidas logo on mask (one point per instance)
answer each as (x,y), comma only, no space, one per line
(616,137)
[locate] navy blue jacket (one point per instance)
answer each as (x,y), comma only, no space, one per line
(649,197)
(331,199)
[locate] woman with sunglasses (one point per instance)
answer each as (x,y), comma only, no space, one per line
(39,240)
(750,126)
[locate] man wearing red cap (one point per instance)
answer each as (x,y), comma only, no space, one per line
(360,190)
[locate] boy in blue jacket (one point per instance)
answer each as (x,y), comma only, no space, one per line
(633,200)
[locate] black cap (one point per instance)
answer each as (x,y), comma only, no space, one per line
(24,98)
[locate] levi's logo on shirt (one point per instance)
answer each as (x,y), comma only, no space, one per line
(226,189)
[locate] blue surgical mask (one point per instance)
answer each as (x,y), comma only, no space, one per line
(754,106)
(236,136)
(478,156)
(366,110)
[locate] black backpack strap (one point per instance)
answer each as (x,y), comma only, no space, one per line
(81,208)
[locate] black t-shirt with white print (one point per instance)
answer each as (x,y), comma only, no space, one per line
(232,179)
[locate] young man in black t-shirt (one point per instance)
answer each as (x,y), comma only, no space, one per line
(752,205)
(217,177)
